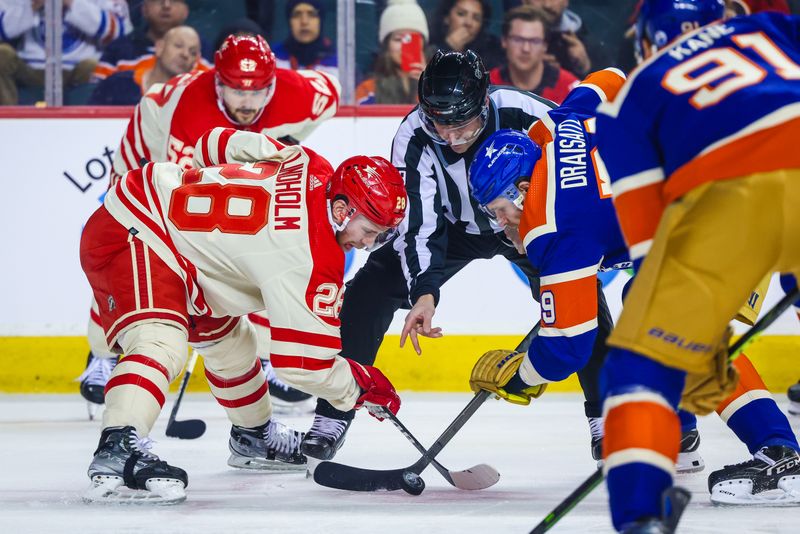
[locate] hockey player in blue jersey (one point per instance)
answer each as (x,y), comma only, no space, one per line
(697,146)
(567,229)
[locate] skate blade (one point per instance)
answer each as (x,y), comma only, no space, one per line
(794,408)
(92,409)
(739,492)
(109,489)
(311,466)
(262,464)
(689,462)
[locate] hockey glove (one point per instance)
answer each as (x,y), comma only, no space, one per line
(703,392)
(493,372)
(376,389)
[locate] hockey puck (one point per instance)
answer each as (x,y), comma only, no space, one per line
(412,483)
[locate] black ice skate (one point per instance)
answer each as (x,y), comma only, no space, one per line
(94,379)
(689,459)
(673,502)
(596,430)
(771,477)
(286,399)
(794,399)
(325,437)
(269,447)
(124,471)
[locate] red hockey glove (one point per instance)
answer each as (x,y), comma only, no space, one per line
(376,388)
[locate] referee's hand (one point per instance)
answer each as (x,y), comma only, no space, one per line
(418,323)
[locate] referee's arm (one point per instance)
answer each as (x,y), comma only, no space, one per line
(422,243)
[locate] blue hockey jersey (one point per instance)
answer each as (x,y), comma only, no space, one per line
(720,102)
(570,230)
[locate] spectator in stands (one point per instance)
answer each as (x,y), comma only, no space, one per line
(461,24)
(262,12)
(135,51)
(569,35)
(176,53)
(402,32)
(243,26)
(524,39)
(88,26)
(306,47)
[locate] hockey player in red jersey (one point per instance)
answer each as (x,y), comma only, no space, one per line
(244,91)
(176,256)
(706,193)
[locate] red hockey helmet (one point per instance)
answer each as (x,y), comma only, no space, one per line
(245,62)
(373,187)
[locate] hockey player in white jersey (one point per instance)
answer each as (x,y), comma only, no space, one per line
(244,91)
(176,256)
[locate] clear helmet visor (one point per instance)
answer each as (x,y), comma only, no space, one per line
(455,134)
(512,193)
(383,238)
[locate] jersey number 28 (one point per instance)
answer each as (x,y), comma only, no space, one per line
(229,208)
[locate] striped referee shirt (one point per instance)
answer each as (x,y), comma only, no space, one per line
(438,189)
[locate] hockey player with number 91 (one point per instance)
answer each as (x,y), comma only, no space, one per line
(176,256)
(698,146)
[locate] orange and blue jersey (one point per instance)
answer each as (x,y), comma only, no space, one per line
(569,230)
(720,102)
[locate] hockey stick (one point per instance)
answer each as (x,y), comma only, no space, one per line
(340,476)
(477,477)
(733,352)
(191,428)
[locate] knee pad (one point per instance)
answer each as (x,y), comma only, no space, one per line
(625,371)
(164,343)
(234,354)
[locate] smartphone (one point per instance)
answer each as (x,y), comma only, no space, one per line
(411,52)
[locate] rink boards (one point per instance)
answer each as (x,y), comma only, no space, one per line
(57,168)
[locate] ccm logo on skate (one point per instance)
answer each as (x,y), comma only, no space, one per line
(678,341)
(780,468)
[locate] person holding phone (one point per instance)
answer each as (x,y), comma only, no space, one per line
(403,33)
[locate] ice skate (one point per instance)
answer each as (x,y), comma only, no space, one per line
(673,502)
(689,459)
(93,381)
(794,399)
(772,477)
(124,472)
(269,447)
(286,399)
(325,437)
(596,430)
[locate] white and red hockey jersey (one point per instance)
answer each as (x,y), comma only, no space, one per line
(169,120)
(247,229)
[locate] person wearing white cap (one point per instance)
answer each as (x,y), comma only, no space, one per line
(403,33)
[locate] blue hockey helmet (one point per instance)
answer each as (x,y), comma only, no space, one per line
(661,21)
(502,159)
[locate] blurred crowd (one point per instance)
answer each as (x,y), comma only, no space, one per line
(114,50)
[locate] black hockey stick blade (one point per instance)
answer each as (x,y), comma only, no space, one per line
(191,428)
(346,477)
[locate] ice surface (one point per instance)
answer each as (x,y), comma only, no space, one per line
(541,451)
